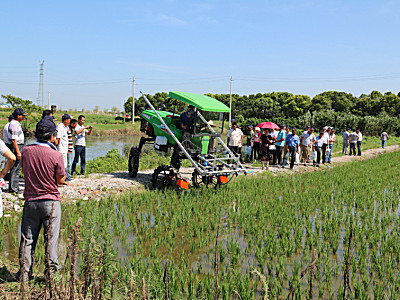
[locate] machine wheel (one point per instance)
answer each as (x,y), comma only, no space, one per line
(133,162)
(176,161)
(163,177)
(198,180)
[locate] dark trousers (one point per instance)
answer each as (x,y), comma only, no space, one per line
(292,153)
(14,172)
(35,215)
(352,149)
(237,151)
(278,154)
(318,150)
(80,152)
(323,149)
(255,150)
(359,148)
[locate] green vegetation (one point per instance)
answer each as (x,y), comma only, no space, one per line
(266,229)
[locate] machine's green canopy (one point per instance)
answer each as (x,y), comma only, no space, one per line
(202,102)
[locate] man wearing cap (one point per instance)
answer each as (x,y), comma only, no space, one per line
(43,169)
(353,137)
(345,141)
(61,141)
(280,144)
(292,147)
(186,120)
(307,140)
(17,142)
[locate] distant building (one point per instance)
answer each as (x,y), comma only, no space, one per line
(4,105)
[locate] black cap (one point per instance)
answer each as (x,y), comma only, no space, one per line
(65,117)
(294,128)
(19,112)
(45,125)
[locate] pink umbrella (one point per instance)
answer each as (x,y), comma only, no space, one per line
(268,125)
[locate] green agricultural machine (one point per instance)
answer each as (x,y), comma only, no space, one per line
(213,162)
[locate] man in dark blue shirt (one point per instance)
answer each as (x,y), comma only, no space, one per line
(186,120)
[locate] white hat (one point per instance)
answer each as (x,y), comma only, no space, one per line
(211,123)
(257,129)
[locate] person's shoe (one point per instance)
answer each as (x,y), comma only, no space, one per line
(282,167)
(305,165)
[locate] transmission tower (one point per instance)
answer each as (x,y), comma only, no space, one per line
(40,98)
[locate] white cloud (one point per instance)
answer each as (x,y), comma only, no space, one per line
(171,20)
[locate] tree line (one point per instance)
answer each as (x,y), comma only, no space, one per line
(371,113)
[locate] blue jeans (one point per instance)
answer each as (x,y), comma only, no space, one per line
(292,152)
(80,152)
(329,156)
(359,148)
(383,144)
(68,167)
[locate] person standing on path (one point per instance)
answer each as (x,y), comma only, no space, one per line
(71,128)
(345,141)
(307,139)
(43,169)
(317,147)
(359,141)
(6,132)
(384,138)
(292,147)
(325,145)
(62,141)
(80,144)
(235,138)
(17,142)
(331,141)
(280,144)
(255,150)
(353,137)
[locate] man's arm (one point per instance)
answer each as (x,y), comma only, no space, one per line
(15,144)
(80,130)
(56,141)
(60,180)
(90,130)
(10,162)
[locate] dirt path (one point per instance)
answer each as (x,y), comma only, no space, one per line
(97,186)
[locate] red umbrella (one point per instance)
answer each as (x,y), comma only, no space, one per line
(268,125)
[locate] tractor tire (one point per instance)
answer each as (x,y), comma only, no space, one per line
(163,178)
(133,162)
(176,161)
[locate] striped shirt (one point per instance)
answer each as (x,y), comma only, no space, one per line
(70,147)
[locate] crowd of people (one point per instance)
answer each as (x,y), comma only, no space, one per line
(283,146)
(45,166)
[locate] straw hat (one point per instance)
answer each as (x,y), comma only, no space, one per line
(211,123)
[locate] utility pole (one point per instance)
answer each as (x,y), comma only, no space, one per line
(230,106)
(133,100)
(48,103)
(124,111)
(40,99)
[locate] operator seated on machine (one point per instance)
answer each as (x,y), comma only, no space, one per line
(186,123)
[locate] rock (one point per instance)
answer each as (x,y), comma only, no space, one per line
(17,207)
(85,198)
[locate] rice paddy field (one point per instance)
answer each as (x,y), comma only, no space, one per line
(296,236)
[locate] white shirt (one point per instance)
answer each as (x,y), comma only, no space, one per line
(3,148)
(273,133)
(307,138)
(332,138)
(80,138)
(320,141)
(326,137)
(234,137)
(16,133)
(360,137)
(6,134)
(62,134)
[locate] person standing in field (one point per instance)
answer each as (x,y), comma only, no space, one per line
(345,141)
(43,169)
(359,141)
(62,141)
(384,138)
(235,139)
(331,141)
(307,139)
(353,137)
(325,145)
(17,139)
(280,144)
(292,147)
(266,141)
(255,150)
(80,144)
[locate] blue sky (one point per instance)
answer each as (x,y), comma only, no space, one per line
(93,48)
